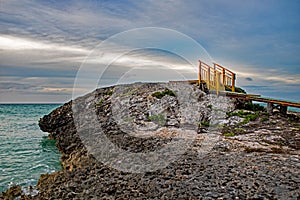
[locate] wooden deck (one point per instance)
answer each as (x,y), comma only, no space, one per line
(217,78)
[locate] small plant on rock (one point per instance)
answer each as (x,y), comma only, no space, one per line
(109,92)
(230,134)
(264,119)
(99,104)
(160,95)
(204,124)
(253,107)
(160,119)
(248,116)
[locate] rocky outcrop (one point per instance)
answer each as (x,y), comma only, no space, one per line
(212,145)
(12,193)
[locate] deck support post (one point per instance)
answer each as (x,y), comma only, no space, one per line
(217,74)
(270,108)
(199,73)
(283,110)
(233,83)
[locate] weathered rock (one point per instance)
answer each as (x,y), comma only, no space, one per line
(227,171)
(12,193)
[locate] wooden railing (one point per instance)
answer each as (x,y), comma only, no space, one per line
(216,77)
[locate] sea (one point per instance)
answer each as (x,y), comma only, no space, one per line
(25,151)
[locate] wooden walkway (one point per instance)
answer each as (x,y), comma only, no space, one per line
(272,104)
(217,78)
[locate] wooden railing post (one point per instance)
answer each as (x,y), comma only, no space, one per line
(217,82)
(208,84)
(233,83)
(199,73)
(223,76)
(215,77)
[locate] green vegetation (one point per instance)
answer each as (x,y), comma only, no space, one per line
(264,119)
(209,106)
(109,92)
(240,90)
(204,124)
(248,105)
(160,95)
(239,129)
(100,103)
(240,113)
(253,107)
(236,89)
(230,134)
(248,116)
(160,119)
(229,131)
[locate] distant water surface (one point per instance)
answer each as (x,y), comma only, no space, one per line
(25,151)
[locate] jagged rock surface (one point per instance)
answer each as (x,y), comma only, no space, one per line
(227,171)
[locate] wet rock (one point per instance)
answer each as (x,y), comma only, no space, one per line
(12,193)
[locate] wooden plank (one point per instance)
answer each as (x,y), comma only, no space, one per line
(276,101)
(224,68)
(263,99)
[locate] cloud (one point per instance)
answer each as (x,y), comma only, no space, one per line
(35,89)
(16,86)
(21,44)
(50,39)
(249,79)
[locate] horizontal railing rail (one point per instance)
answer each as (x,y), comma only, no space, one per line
(271,102)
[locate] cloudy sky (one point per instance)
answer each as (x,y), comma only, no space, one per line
(44,43)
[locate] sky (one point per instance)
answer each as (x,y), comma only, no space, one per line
(44,44)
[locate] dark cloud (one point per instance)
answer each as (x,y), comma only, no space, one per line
(249,79)
(16,86)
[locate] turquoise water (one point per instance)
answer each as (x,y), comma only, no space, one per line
(293,109)
(25,151)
